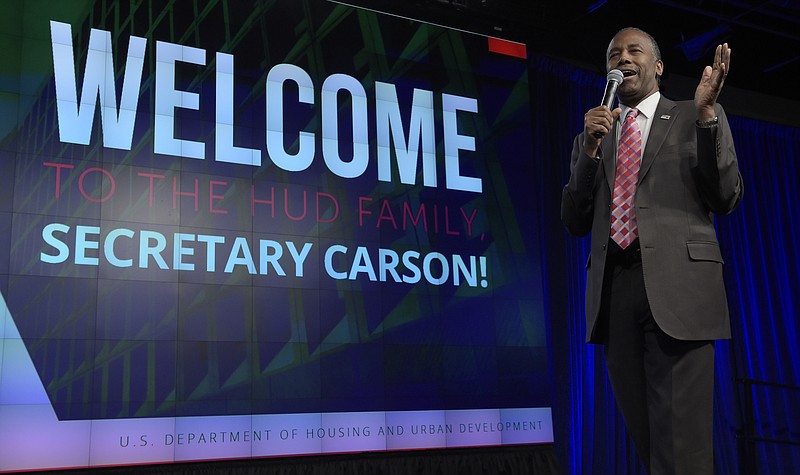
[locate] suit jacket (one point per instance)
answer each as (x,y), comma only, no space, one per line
(687,175)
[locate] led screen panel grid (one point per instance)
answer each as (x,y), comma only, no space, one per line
(273,229)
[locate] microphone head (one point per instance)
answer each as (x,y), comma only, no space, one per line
(615,75)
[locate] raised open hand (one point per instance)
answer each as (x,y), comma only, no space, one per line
(711,82)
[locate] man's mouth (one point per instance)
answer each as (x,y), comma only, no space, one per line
(628,73)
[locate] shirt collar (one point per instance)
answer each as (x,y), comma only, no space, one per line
(647,106)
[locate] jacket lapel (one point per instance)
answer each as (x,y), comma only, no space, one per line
(666,115)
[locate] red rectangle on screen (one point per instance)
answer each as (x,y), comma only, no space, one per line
(510,48)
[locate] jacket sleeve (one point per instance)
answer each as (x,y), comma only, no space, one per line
(577,198)
(717,173)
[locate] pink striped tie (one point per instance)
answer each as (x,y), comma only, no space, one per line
(629,159)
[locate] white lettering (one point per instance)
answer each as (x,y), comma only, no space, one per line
(76,116)
(453,142)
(421,129)
(168,98)
(276,78)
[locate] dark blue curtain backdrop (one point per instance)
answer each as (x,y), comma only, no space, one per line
(762,265)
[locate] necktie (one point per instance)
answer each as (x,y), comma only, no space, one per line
(629,159)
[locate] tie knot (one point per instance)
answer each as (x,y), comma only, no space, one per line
(632,113)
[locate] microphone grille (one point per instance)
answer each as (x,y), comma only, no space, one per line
(615,75)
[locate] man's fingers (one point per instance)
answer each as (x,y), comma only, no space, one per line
(706,74)
(726,58)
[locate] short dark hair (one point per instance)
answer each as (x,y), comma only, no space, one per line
(656,49)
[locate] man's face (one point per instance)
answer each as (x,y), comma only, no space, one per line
(631,52)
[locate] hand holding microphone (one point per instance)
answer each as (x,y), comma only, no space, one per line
(613,79)
(599,120)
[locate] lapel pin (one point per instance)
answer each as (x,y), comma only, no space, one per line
(665,116)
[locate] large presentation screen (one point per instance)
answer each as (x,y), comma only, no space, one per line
(268,228)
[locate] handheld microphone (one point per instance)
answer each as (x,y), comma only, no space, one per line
(614,78)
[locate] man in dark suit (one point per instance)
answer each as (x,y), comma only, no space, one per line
(646,180)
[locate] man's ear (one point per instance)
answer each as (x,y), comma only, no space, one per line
(659,68)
